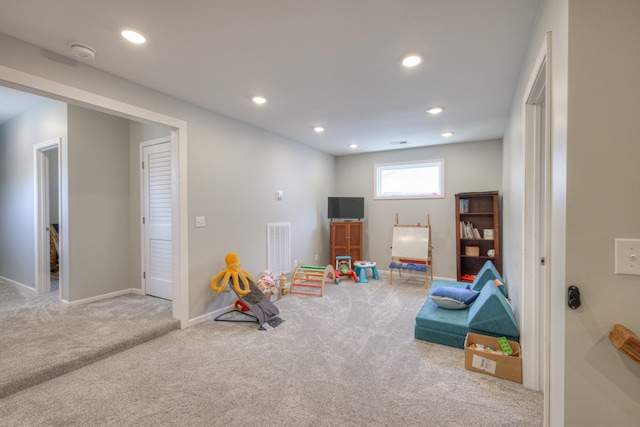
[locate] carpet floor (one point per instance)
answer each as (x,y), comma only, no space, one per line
(42,339)
(346,359)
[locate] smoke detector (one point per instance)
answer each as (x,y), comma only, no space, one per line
(83,51)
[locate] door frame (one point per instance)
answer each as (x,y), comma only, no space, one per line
(42,209)
(535,302)
(37,85)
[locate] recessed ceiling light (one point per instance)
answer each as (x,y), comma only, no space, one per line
(447,134)
(411,60)
(318,129)
(259,99)
(352,146)
(435,110)
(133,37)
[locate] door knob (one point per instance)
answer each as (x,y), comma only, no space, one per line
(574,297)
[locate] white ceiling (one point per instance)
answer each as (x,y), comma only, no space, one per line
(335,63)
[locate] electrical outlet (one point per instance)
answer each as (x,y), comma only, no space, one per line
(316,258)
(627,252)
(200,221)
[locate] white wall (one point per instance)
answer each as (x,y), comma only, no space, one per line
(602,384)
(98,200)
(17,138)
(234,172)
(473,166)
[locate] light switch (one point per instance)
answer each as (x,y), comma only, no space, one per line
(627,252)
(200,221)
(279,195)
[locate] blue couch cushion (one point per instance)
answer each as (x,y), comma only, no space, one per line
(453,298)
(487,272)
(492,313)
(431,316)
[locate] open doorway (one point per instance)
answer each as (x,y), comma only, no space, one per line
(47,224)
(178,135)
(537,224)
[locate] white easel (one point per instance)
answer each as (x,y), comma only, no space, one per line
(411,245)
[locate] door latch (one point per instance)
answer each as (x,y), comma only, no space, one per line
(574,297)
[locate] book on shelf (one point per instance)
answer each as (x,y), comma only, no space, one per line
(464,205)
(488,233)
(476,233)
(468,231)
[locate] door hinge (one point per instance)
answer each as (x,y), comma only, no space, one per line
(541,260)
(143,220)
(142,165)
(144,274)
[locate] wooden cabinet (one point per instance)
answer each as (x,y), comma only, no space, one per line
(346,239)
(477,232)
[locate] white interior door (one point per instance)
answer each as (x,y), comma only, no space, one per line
(156,168)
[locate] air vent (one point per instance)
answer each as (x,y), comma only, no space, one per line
(279,247)
(398,142)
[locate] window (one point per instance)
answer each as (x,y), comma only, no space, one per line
(410,180)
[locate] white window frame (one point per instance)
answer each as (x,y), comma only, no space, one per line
(378,170)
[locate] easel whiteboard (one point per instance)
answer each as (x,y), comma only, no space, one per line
(410,242)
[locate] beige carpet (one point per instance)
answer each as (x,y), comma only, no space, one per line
(346,359)
(42,339)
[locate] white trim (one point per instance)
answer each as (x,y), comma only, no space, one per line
(531,304)
(402,165)
(180,229)
(49,88)
(19,285)
(100,297)
(208,316)
(41,209)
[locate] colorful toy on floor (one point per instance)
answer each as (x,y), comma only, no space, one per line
(233,271)
(282,280)
(361,267)
(504,345)
(343,268)
(310,279)
(241,306)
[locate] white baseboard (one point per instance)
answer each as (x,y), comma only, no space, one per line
(101,297)
(19,285)
(209,316)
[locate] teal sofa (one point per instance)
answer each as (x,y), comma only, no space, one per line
(490,314)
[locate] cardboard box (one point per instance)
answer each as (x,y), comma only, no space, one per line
(472,250)
(493,364)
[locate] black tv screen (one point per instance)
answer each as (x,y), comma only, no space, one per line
(346,208)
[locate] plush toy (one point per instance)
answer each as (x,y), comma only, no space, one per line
(233,271)
(265,280)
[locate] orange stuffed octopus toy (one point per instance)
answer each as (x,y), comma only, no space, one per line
(233,271)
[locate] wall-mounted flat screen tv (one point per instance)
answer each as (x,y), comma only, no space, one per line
(345,208)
